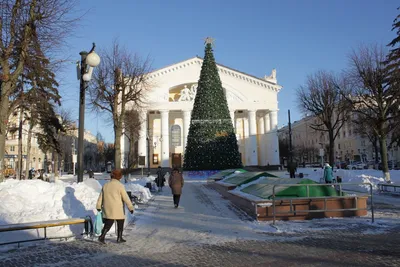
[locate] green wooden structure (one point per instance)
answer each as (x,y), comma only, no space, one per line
(264,188)
(222,174)
(246,177)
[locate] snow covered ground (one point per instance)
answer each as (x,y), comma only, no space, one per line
(203,217)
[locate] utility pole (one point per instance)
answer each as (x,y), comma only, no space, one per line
(148,144)
(290,140)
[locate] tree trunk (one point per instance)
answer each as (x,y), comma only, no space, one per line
(117,146)
(20,165)
(3,125)
(28,150)
(55,167)
(384,157)
(331,148)
(375,144)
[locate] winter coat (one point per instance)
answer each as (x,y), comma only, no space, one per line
(160,180)
(111,200)
(328,174)
(176,183)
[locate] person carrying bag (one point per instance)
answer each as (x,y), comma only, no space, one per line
(111,203)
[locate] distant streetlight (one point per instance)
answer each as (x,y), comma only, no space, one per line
(84,72)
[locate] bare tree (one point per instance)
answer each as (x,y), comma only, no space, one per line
(132,128)
(321,97)
(372,97)
(120,81)
(363,129)
(24,25)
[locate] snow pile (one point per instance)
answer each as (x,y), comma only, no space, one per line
(141,192)
(35,200)
(353,176)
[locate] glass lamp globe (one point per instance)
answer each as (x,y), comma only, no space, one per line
(86,77)
(92,59)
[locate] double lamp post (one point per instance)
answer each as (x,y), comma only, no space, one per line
(84,72)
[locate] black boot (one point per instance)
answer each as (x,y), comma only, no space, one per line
(119,238)
(120,229)
(102,237)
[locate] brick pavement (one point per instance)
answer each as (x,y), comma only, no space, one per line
(353,246)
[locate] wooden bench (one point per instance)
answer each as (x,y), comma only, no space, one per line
(87,221)
(383,188)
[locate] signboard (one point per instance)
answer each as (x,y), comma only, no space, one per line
(321,152)
(142,160)
(74,158)
(176,135)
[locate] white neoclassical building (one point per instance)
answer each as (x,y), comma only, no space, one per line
(252,103)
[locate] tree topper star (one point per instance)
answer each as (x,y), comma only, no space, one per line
(209,40)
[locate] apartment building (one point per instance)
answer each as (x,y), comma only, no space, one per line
(349,146)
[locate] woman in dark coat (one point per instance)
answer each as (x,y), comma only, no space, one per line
(176,183)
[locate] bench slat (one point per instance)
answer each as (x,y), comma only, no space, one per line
(36,225)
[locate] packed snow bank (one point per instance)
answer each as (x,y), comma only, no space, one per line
(353,176)
(141,192)
(35,200)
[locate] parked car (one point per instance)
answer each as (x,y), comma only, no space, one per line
(357,165)
(341,165)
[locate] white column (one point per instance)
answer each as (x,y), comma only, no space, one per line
(267,143)
(186,125)
(246,141)
(266,123)
(142,147)
(253,138)
(232,112)
(165,138)
(261,141)
(122,147)
(273,138)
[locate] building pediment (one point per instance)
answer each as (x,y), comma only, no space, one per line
(267,83)
(187,93)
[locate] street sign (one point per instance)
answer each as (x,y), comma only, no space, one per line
(74,158)
(321,152)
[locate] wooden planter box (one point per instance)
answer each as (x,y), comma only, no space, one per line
(262,210)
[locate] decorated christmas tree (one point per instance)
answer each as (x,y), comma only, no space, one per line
(211,143)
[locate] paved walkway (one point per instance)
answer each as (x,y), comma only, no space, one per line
(208,231)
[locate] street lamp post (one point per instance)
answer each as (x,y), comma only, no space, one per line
(84,71)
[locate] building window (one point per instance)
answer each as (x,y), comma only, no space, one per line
(338,146)
(155,158)
(12,148)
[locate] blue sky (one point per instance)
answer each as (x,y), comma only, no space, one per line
(295,37)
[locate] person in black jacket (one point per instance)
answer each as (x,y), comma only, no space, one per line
(160,180)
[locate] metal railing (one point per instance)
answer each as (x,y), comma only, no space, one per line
(87,221)
(325,209)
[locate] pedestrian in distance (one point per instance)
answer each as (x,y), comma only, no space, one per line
(328,173)
(292,167)
(176,183)
(160,180)
(111,202)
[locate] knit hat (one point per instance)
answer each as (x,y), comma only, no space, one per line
(327,165)
(116,174)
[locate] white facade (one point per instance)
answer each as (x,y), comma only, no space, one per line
(252,103)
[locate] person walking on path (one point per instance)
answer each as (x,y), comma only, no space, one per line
(111,202)
(176,183)
(160,180)
(328,173)
(292,167)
